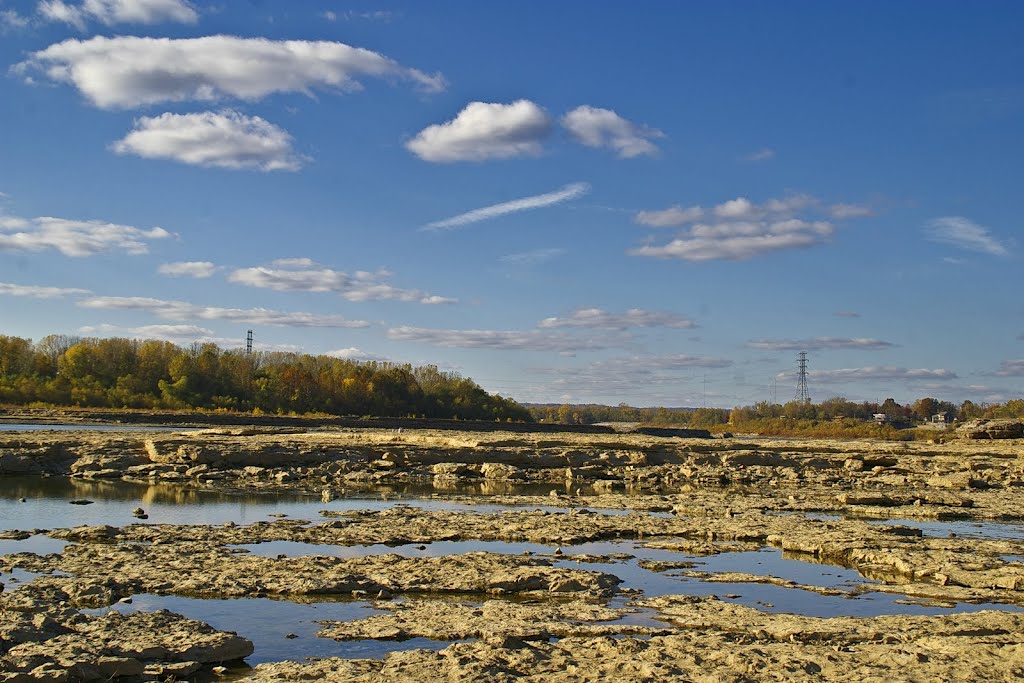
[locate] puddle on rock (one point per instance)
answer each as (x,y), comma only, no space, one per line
(1000,531)
(39,544)
(279,629)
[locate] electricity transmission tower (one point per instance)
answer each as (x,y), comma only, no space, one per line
(248,342)
(802,395)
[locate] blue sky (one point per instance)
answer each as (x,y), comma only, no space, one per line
(576,201)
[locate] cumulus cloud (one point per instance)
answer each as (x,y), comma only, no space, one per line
(963,233)
(304,275)
(738,229)
(37,292)
(225,139)
(503,340)
(883,373)
(128,71)
(532,258)
(196,269)
(180,310)
(820,343)
(596,127)
(670,217)
(1011,368)
(634,317)
(485,130)
(74,238)
(567,193)
(112,12)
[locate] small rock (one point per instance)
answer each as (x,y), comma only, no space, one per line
(291,636)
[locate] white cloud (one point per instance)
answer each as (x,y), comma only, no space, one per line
(485,130)
(670,217)
(1011,368)
(304,275)
(739,229)
(74,238)
(963,233)
(504,340)
(882,373)
(569,192)
(352,353)
(112,12)
(532,258)
(180,310)
(763,154)
(196,269)
(37,292)
(225,139)
(127,71)
(634,317)
(596,127)
(820,343)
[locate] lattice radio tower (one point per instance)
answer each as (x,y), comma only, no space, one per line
(248,342)
(802,395)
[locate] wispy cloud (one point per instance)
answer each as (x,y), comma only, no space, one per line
(847,314)
(840,211)
(503,340)
(567,193)
(596,127)
(128,71)
(110,12)
(532,258)
(659,379)
(670,217)
(304,275)
(879,373)
(485,130)
(763,154)
(10,20)
(820,343)
(225,139)
(180,310)
(180,334)
(634,317)
(37,292)
(196,269)
(963,233)
(74,238)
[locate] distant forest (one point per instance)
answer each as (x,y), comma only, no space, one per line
(59,370)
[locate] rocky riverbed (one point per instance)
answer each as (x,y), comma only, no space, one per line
(545,556)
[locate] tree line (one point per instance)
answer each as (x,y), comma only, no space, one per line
(61,370)
(765,414)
